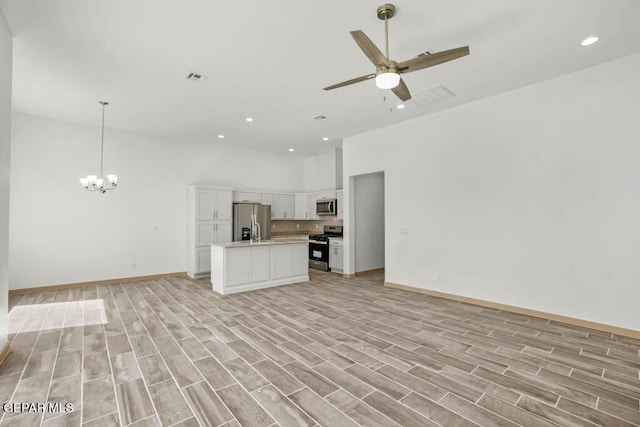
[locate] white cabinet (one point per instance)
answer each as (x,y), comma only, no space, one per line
(327,169)
(246,197)
(340,201)
(302,206)
(203,260)
(248,265)
(209,212)
(289,260)
(324,170)
(311,207)
(244,266)
(336,255)
(283,206)
(211,204)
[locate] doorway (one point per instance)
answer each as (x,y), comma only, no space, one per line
(368,223)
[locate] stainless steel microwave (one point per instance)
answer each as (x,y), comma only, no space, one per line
(327,207)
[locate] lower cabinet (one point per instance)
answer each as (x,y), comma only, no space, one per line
(239,267)
(248,265)
(208,232)
(289,260)
(336,257)
(203,260)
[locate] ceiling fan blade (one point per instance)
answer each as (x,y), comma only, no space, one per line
(369,49)
(350,82)
(402,91)
(416,64)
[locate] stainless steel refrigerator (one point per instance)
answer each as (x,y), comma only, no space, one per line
(242,214)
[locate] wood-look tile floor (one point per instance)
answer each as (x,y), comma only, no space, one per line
(331,352)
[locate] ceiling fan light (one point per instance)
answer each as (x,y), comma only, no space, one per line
(387,80)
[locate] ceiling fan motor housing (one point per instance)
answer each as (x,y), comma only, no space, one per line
(386,11)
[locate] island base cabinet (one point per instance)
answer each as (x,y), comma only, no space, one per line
(239,269)
(248,265)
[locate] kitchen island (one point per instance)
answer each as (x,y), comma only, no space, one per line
(246,266)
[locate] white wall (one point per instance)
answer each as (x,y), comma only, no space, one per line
(368,223)
(62,234)
(530,198)
(5,149)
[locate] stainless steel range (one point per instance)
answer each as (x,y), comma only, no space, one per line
(319,247)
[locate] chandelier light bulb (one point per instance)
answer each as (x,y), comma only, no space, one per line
(387,80)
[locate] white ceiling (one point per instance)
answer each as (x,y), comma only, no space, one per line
(271,59)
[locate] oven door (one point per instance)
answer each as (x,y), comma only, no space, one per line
(319,255)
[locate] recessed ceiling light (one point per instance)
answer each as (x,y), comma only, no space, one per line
(589,41)
(400,106)
(325,138)
(221,136)
(249,119)
(291,149)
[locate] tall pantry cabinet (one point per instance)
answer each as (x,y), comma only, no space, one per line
(209,219)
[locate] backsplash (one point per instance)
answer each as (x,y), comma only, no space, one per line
(292,227)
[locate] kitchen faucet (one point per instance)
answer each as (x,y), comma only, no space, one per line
(255,229)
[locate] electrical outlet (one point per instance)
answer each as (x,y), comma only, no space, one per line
(133,264)
(155,228)
(273,226)
(316,225)
(297,225)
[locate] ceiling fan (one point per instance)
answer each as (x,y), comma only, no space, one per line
(388,72)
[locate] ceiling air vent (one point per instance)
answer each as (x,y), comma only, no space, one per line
(433,95)
(320,118)
(196,77)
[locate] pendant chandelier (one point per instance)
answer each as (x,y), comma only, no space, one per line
(102,182)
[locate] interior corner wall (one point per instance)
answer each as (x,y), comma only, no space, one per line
(529,198)
(369,221)
(6,56)
(62,234)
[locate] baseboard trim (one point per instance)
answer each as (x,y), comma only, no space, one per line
(4,352)
(631,333)
(372,271)
(348,275)
(94,283)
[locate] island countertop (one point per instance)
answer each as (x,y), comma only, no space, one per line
(249,243)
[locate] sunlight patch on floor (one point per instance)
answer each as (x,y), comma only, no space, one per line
(55,315)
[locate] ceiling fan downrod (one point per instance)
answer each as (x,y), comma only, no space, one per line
(386,12)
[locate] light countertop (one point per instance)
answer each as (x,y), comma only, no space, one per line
(247,243)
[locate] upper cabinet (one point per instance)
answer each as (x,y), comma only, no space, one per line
(302,206)
(283,206)
(324,170)
(212,204)
(246,197)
